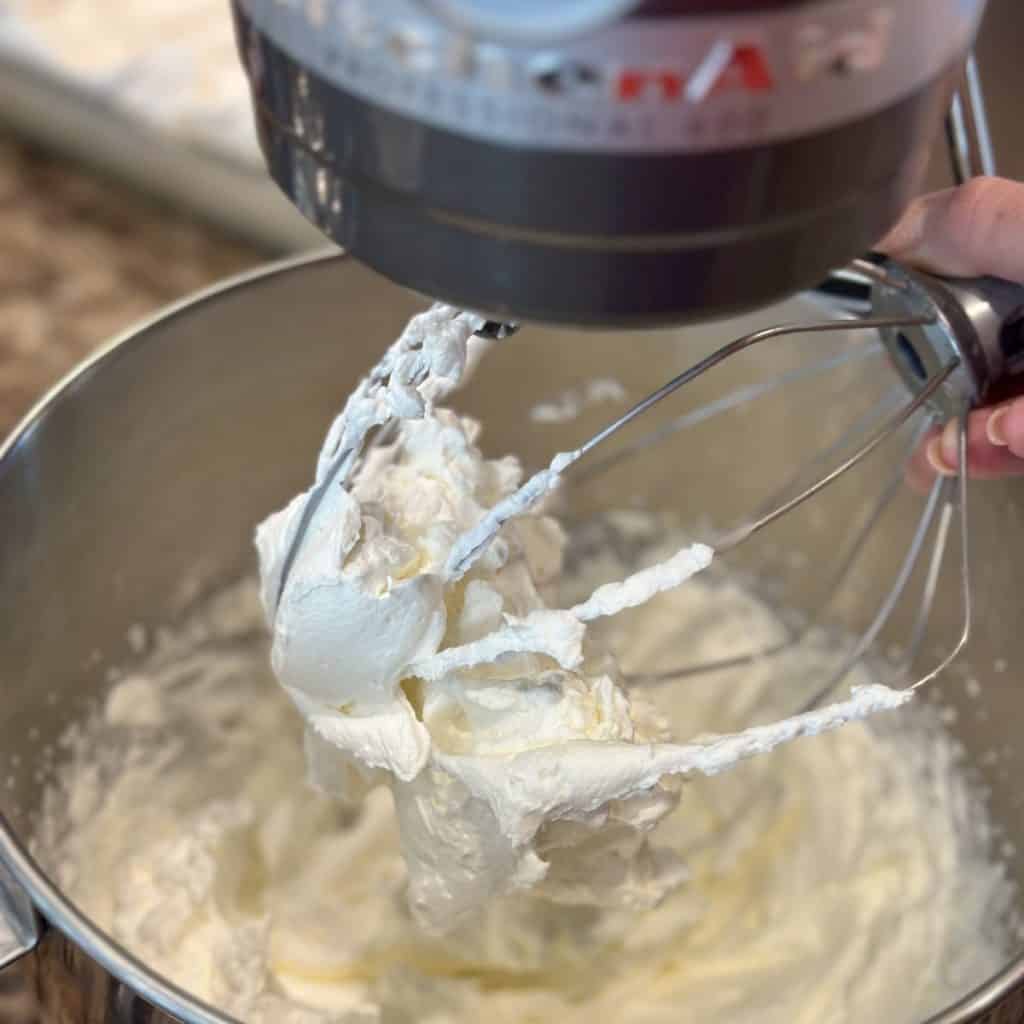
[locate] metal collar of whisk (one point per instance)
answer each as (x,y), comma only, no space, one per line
(974,325)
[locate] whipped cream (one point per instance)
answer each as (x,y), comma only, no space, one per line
(842,880)
(404,591)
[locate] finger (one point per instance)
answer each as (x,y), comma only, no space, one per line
(985,460)
(968,231)
(920,473)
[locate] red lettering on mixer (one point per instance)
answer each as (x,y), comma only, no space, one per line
(636,85)
(727,68)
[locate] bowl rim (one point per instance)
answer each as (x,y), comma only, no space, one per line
(57,911)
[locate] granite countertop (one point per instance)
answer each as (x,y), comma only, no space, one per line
(80,260)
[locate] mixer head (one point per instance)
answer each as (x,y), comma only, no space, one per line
(602,162)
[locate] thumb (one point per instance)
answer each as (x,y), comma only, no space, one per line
(973,230)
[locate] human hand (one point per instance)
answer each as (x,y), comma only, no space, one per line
(973,230)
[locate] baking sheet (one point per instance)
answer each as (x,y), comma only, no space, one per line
(137,113)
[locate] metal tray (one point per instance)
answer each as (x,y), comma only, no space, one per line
(55,112)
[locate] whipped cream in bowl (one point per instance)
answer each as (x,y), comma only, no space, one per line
(443,795)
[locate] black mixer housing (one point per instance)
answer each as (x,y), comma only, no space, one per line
(685,160)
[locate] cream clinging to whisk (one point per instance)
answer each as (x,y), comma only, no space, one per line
(415,641)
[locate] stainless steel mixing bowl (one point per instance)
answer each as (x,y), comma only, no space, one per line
(135,487)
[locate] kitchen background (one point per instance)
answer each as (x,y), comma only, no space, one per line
(129,177)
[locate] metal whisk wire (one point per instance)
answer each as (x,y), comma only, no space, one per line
(946,498)
(951,496)
(734,348)
(783,502)
(739,397)
(823,596)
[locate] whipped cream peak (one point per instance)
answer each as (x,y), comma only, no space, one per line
(428,361)
(413,635)
(559,635)
(635,590)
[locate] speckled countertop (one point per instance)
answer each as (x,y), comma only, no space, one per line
(81,259)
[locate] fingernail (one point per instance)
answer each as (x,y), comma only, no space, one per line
(995,428)
(936,459)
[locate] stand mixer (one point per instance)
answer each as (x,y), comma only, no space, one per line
(604,163)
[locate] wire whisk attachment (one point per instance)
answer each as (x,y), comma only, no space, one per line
(951,345)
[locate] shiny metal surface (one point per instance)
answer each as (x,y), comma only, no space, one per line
(73,988)
(657,170)
(976,324)
(20,928)
(970,141)
(135,488)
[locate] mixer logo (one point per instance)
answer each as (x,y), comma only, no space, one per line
(726,68)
